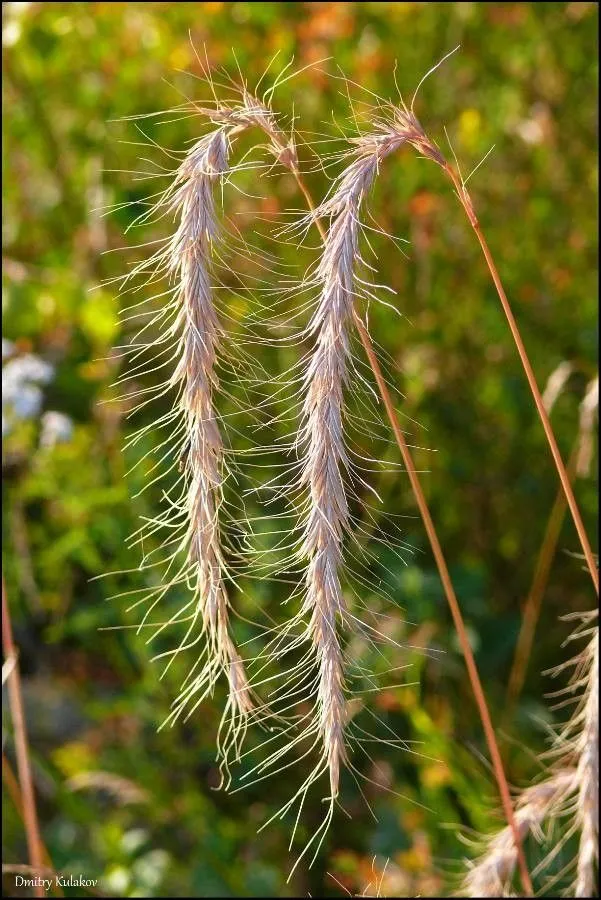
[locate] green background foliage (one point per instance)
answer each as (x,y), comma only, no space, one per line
(525,81)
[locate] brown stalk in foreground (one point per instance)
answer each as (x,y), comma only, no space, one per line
(30,818)
(466,202)
(12,786)
(442,570)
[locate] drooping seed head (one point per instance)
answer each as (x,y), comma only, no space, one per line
(199,335)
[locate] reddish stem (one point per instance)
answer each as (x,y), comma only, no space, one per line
(14,790)
(30,817)
(466,202)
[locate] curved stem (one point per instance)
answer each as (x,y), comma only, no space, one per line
(466,202)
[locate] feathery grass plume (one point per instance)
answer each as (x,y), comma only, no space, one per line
(570,791)
(322,433)
(588,779)
(324,618)
(199,335)
(580,739)
(491,875)
(191,331)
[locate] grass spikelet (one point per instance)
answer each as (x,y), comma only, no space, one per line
(491,875)
(588,779)
(324,619)
(570,791)
(191,333)
(322,432)
(582,738)
(251,112)
(195,334)
(321,438)
(327,519)
(200,332)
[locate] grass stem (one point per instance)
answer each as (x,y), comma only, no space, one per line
(12,786)
(30,818)
(466,202)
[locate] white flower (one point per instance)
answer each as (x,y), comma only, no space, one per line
(23,369)
(57,428)
(21,377)
(26,403)
(8,348)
